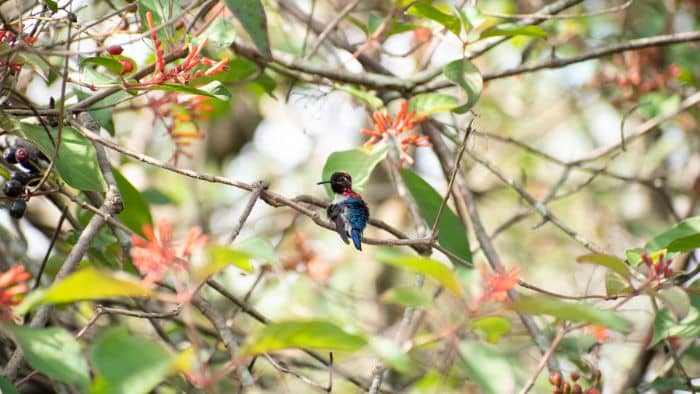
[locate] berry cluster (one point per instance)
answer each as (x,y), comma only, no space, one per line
(27,170)
(562,386)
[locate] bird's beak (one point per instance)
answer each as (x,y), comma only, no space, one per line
(322,182)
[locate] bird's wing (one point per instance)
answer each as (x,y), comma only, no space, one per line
(335,214)
(357,213)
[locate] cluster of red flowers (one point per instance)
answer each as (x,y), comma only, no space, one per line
(385,127)
(658,269)
(180,114)
(497,283)
(185,71)
(159,254)
(12,284)
(10,37)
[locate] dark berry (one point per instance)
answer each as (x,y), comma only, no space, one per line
(9,155)
(115,50)
(575,375)
(24,177)
(12,188)
(21,154)
(17,208)
(29,166)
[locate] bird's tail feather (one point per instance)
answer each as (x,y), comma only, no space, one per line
(356,238)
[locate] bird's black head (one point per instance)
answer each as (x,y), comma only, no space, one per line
(340,182)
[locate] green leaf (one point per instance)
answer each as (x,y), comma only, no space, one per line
(373,23)
(685,244)
(545,305)
(687,227)
(221,32)
(359,163)
(6,387)
(665,324)
(634,256)
(259,248)
(311,334)
(251,14)
(162,11)
(513,29)
(424,9)
(486,367)
(422,265)
(614,284)
(104,108)
(52,5)
(110,63)
(125,363)
(406,296)
(372,101)
(452,234)
(88,284)
(493,326)
(666,385)
(431,103)
(611,262)
(220,257)
(77,160)
(213,89)
(676,299)
(390,352)
(54,352)
(471,17)
(465,74)
(136,211)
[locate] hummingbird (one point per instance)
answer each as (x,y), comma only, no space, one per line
(348,211)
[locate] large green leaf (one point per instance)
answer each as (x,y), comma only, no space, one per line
(465,74)
(452,235)
(407,296)
(611,262)
(431,103)
(77,161)
(88,284)
(426,10)
(422,265)
(513,29)
(54,352)
(486,367)
(684,244)
(251,14)
(220,257)
(311,334)
(686,228)
(125,363)
(545,305)
(136,211)
(359,163)
(111,64)
(665,324)
(221,32)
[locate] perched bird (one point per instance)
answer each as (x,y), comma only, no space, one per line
(348,210)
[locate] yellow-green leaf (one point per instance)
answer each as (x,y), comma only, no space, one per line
(613,263)
(422,265)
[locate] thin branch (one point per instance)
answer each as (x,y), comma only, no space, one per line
(330,27)
(543,361)
(258,188)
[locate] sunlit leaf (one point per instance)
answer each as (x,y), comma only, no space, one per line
(251,14)
(545,305)
(422,265)
(493,326)
(611,262)
(220,257)
(359,163)
(406,296)
(372,101)
(221,32)
(614,284)
(136,211)
(54,352)
(88,284)
(390,352)
(110,63)
(312,334)
(431,103)
(676,299)
(452,235)
(513,29)
(465,74)
(686,228)
(260,248)
(634,256)
(213,89)
(426,10)
(125,363)
(77,163)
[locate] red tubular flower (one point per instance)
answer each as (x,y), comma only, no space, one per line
(496,284)
(159,253)
(405,121)
(11,285)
